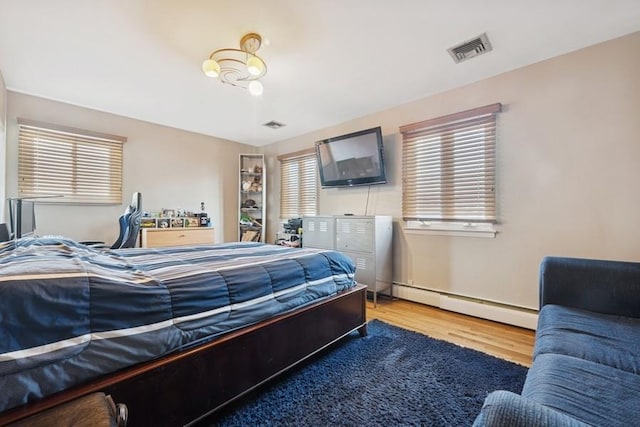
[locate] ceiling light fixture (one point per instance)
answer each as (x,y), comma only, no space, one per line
(239,67)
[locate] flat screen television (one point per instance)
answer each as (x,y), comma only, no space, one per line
(353,159)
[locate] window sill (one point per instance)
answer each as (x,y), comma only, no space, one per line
(456,229)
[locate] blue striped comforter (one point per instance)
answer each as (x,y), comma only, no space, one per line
(69,313)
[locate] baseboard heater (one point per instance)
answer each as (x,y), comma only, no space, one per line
(512,315)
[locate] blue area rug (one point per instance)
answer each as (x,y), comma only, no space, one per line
(392,377)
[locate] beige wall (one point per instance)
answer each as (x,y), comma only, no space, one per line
(172,169)
(3,145)
(3,102)
(569,169)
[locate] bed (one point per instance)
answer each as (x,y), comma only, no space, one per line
(173,333)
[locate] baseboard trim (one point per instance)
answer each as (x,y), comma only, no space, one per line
(472,307)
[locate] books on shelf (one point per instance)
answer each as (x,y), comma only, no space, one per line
(250,236)
(173,222)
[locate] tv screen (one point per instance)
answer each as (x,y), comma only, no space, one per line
(353,159)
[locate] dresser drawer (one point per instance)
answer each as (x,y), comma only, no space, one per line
(162,237)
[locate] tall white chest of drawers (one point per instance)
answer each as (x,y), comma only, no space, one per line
(366,240)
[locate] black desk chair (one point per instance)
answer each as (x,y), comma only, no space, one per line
(129,223)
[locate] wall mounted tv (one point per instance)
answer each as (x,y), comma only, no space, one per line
(353,159)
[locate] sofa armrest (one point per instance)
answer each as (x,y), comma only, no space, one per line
(504,408)
(608,287)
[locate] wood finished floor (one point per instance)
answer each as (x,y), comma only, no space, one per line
(504,341)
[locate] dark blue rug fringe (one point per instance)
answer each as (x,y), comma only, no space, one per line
(392,377)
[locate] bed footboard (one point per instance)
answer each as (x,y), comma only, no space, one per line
(182,388)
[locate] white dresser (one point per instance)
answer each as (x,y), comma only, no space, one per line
(367,240)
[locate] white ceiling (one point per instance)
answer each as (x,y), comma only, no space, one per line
(329,61)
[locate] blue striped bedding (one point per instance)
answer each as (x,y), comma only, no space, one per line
(69,313)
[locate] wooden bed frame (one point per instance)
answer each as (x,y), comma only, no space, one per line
(185,387)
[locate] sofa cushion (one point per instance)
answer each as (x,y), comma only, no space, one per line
(590,392)
(602,338)
(504,408)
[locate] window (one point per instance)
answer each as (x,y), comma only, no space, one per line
(81,166)
(448,166)
(298,184)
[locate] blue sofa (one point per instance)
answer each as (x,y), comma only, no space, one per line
(586,358)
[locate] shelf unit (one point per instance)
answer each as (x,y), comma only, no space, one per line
(252,200)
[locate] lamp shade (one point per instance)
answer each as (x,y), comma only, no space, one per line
(256,88)
(255,66)
(238,67)
(211,68)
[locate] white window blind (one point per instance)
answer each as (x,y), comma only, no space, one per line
(449,166)
(81,166)
(298,184)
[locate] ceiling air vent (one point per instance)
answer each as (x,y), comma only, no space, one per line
(274,125)
(470,48)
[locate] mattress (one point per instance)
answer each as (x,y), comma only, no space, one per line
(70,313)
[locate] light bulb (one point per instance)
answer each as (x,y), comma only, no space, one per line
(256,88)
(211,68)
(255,66)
